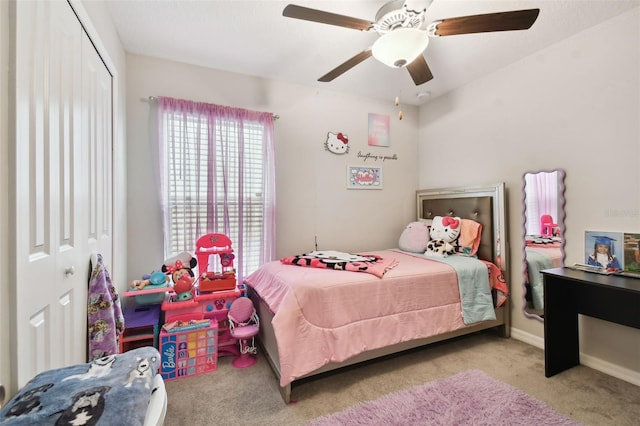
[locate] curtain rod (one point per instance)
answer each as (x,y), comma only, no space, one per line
(153,99)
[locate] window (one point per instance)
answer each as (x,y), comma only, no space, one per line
(217,175)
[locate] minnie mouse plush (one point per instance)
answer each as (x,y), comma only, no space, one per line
(180,268)
(179,265)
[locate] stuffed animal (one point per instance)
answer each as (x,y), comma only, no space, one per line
(184,263)
(156,278)
(414,238)
(172,269)
(444,234)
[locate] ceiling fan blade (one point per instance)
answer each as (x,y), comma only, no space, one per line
(315,15)
(502,21)
(419,70)
(345,66)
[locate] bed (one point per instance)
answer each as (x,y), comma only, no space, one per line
(113,390)
(315,320)
(540,253)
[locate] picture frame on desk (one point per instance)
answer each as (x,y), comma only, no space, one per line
(631,261)
(623,251)
(604,249)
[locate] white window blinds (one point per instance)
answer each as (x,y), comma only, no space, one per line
(218,177)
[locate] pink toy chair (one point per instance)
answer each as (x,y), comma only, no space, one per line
(547,225)
(244,326)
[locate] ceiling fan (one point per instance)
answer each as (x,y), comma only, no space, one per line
(403,36)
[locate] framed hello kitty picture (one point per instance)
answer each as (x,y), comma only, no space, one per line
(364,177)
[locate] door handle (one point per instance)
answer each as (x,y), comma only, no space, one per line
(69,271)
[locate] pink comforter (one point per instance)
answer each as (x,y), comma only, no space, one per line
(324,316)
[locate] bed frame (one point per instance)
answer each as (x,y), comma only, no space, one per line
(484,204)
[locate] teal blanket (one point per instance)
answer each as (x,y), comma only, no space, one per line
(475,291)
(536,262)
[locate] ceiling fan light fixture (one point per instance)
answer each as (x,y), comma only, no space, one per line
(400,47)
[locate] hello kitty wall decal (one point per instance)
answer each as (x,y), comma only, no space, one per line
(338,143)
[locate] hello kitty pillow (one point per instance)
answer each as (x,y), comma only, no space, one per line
(444,234)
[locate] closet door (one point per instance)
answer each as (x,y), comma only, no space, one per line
(62,178)
(97,137)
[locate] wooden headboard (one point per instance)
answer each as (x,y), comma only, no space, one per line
(486,205)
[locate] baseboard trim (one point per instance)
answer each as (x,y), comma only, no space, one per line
(611,369)
(601,365)
(529,338)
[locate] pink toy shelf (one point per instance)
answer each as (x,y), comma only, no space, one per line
(213,306)
(189,352)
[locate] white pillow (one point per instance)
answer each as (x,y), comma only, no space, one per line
(415,237)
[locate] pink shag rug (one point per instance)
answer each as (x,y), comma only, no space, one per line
(468,398)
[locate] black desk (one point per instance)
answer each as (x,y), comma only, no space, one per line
(569,292)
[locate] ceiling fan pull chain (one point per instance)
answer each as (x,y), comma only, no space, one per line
(397,102)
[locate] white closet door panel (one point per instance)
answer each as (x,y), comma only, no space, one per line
(97,135)
(50,254)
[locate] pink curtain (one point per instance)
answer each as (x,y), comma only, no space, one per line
(217,175)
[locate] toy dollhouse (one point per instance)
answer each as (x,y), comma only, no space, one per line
(213,295)
(198,313)
(220,275)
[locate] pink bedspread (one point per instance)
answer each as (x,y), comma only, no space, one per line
(324,316)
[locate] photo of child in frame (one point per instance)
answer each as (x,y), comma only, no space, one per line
(602,248)
(631,253)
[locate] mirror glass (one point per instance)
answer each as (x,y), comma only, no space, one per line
(543,211)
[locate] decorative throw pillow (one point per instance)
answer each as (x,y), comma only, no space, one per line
(414,238)
(444,234)
(469,239)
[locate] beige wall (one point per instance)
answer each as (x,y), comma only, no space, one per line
(575,106)
(312,198)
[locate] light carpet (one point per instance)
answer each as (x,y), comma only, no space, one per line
(468,398)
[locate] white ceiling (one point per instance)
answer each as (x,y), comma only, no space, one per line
(253,38)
